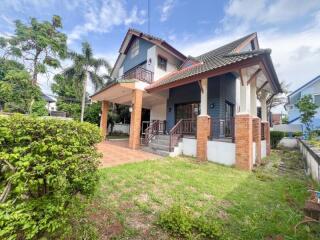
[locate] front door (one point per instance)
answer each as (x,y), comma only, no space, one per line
(188,111)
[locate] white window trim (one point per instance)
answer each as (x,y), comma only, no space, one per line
(135,48)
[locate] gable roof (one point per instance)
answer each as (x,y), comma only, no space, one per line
(133,33)
(47,98)
(314,80)
(216,59)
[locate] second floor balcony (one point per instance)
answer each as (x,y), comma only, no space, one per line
(138,73)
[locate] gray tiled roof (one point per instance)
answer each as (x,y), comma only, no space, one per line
(214,59)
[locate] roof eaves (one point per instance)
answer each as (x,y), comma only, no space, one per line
(305,85)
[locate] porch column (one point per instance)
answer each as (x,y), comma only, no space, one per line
(266,127)
(243,139)
(135,122)
(104,119)
(203,123)
(253,96)
(256,137)
(243,126)
(263,101)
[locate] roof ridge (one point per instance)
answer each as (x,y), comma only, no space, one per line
(261,50)
(242,39)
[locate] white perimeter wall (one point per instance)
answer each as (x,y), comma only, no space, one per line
(254,155)
(313,167)
(221,152)
(158,112)
(124,128)
(263,148)
(189,147)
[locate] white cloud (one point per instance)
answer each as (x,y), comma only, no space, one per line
(267,12)
(102,18)
(166,10)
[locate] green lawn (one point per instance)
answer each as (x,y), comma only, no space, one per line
(264,204)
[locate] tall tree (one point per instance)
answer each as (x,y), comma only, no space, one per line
(307,110)
(39,45)
(85,68)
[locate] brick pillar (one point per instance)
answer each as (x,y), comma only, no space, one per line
(267,136)
(135,122)
(203,132)
(256,137)
(243,138)
(104,119)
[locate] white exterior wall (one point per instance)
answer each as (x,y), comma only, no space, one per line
(189,147)
(158,112)
(263,148)
(221,152)
(172,63)
(254,155)
(313,167)
(124,128)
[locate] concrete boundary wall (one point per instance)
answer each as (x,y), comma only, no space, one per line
(263,148)
(311,156)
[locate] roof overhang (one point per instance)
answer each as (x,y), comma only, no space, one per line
(263,60)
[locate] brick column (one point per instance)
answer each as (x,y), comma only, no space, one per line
(243,138)
(135,122)
(104,119)
(267,136)
(256,137)
(203,132)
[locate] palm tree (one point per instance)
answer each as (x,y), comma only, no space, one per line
(86,68)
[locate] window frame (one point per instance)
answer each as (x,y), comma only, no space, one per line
(135,48)
(314,99)
(158,62)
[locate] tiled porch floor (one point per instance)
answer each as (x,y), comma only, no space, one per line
(117,152)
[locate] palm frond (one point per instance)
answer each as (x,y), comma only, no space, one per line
(96,80)
(87,51)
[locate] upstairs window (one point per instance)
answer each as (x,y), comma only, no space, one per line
(135,48)
(162,63)
(317,99)
(253,46)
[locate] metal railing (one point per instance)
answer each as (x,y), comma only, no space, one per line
(155,128)
(222,128)
(182,127)
(139,73)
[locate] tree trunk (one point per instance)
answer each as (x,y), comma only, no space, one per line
(84,96)
(35,64)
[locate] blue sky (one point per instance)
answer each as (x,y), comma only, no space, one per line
(291,28)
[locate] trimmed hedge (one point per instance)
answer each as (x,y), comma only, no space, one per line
(46,166)
(276,136)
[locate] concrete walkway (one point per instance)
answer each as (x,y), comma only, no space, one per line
(117,152)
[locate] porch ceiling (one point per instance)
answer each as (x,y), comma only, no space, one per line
(261,78)
(121,93)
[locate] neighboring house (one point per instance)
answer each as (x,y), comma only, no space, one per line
(313,88)
(276,118)
(51,103)
(204,106)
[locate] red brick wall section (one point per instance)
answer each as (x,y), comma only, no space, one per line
(243,138)
(256,137)
(267,136)
(104,119)
(203,131)
(135,122)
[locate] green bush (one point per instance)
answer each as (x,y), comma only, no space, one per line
(181,222)
(46,166)
(275,137)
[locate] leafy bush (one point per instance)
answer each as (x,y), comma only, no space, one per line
(46,166)
(181,222)
(275,137)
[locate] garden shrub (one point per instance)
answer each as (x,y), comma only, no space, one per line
(46,166)
(275,137)
(180,221)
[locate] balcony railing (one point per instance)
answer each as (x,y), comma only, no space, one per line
(222,128)
(139,73)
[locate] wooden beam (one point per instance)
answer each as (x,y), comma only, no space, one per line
(200,85)
(262,86)
(241,77)
(253,76)
(269,99)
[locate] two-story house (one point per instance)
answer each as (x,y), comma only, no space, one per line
(310,88)
(204,106)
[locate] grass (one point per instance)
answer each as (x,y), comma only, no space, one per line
(265,204)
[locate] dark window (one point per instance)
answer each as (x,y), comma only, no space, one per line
(253,47)
(317,100)
(162,63)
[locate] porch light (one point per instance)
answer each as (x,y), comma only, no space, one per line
(130,109)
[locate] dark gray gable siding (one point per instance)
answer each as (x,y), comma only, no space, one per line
(130,62)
